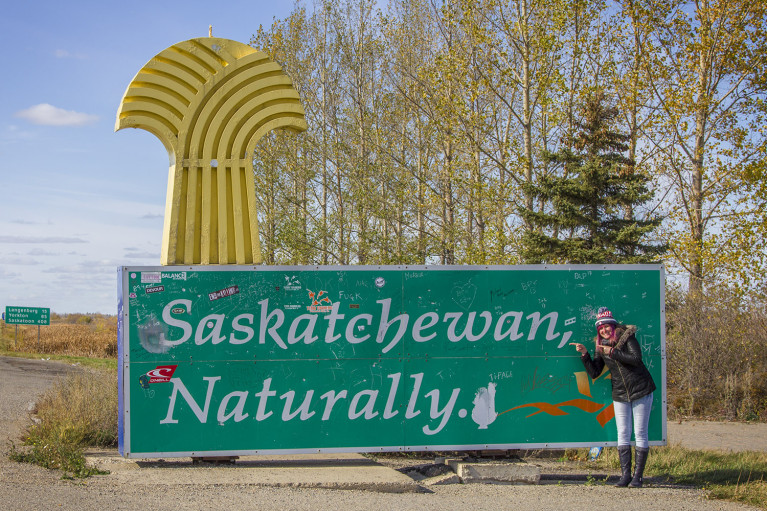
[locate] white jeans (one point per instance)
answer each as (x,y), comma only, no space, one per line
(640,410)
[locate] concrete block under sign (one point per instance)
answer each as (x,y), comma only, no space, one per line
(496,473)
(448,478)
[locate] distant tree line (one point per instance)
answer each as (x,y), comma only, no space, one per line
(490,132)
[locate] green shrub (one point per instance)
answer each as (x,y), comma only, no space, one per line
(717,356)
(79,411)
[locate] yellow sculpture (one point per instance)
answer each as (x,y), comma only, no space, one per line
(209,101)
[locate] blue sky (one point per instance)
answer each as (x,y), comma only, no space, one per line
(78,200)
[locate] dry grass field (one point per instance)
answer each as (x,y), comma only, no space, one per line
(76,335)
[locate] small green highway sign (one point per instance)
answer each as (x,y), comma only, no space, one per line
(27,315)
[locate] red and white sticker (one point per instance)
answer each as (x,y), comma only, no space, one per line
(161,374)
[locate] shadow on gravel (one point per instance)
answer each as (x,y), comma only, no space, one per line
(249,463)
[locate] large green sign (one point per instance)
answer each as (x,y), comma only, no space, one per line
(27,315)
(248,360)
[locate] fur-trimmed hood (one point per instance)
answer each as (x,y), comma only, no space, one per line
(625,334)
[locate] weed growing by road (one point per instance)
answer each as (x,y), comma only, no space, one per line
(736,476)
(79,411)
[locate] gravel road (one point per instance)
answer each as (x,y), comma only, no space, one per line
(28,487)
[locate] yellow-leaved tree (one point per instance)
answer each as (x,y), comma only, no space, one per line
(706,63)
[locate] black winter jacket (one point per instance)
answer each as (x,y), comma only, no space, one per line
(631,379)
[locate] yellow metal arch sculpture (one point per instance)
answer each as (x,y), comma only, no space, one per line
(209,101)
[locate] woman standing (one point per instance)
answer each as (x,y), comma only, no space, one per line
(617,347)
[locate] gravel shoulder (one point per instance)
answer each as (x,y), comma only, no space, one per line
(179,486)
(719,436)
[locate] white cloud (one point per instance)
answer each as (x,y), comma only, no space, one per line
(12,135)
(72,269)
(42,252)
(49,115)
(40,239)
(141,255)
(64,54)
(19,261)
(7,275)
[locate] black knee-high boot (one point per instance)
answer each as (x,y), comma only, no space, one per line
(641,459)
(624,452)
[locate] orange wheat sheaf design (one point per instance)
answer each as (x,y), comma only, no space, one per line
(582,379)
(318,298)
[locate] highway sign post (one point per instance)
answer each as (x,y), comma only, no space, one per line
(15,315)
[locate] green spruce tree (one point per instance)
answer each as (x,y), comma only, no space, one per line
(583,219)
